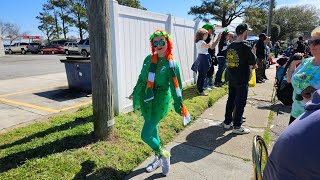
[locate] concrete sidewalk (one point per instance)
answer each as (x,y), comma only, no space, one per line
(205,150)
(32,99)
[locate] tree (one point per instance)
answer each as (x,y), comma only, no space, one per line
(295,20)
(60,7)
(47,24)
(79,16)
(257,19)
(131,3)
(225,11)
(49,7)
(10,30)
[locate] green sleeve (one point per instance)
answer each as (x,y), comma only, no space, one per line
(177,100)
(144,72)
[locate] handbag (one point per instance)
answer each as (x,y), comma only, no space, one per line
(252,82)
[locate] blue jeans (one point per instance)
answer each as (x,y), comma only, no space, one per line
(221,68)
(237,99)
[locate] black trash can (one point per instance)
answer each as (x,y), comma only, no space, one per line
(78,70)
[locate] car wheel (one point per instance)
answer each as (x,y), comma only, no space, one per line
(23,51)
(84,53)
(41,52)
(10,51)
(67,52)
(52,52)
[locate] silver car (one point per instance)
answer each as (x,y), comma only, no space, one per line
(84,47)
(71,48)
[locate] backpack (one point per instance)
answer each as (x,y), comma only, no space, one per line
(284,92)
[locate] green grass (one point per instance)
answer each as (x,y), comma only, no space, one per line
(267,138)
(64,147)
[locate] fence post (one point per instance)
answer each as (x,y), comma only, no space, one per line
(1,45)
(196,27)
(170,24)
(114,28)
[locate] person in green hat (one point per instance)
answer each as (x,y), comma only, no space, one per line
(208,83)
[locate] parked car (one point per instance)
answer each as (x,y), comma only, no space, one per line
(34,48)
(18,48)
(58,42)
(71,48)
(6,48)
(84,47)
(52,49)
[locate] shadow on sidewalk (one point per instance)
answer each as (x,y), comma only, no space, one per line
(61,95)
(200,143)
(66,126)
(278,108)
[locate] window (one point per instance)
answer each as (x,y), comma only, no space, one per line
(87,43)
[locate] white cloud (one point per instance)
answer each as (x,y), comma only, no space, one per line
(291,3)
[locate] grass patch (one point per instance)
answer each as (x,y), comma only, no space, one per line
(65,148)
(267,139)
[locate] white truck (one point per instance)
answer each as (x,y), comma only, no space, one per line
(19,48)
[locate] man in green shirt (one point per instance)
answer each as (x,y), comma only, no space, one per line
(240,62)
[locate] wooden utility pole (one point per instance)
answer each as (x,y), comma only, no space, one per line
(270,17)
(101,72)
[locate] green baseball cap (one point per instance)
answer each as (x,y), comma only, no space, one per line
(208,26)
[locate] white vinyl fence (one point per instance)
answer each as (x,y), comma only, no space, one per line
(1,45)
(130,30)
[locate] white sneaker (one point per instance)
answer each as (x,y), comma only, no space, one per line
(165,162)
(212,87)
(240,130)
(154,165)
(226,126)
(209,89)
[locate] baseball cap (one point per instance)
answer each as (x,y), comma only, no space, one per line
(242,28)
(208,26)
(263,35)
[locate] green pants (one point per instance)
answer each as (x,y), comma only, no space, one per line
(150,134)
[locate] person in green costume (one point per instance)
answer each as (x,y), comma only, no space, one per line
(158,81)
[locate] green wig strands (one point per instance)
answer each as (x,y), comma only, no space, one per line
(160,33)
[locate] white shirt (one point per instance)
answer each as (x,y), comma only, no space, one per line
(200,49)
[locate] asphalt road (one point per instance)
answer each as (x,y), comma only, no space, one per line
(16,66)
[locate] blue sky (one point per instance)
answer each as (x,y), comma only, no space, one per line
(23,13)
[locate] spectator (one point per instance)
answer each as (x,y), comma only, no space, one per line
(307,74)
(225,40)
(208,83)
(259,50)
(276,49)
(240,62)
(203,62)
(299,46)
(295,154)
